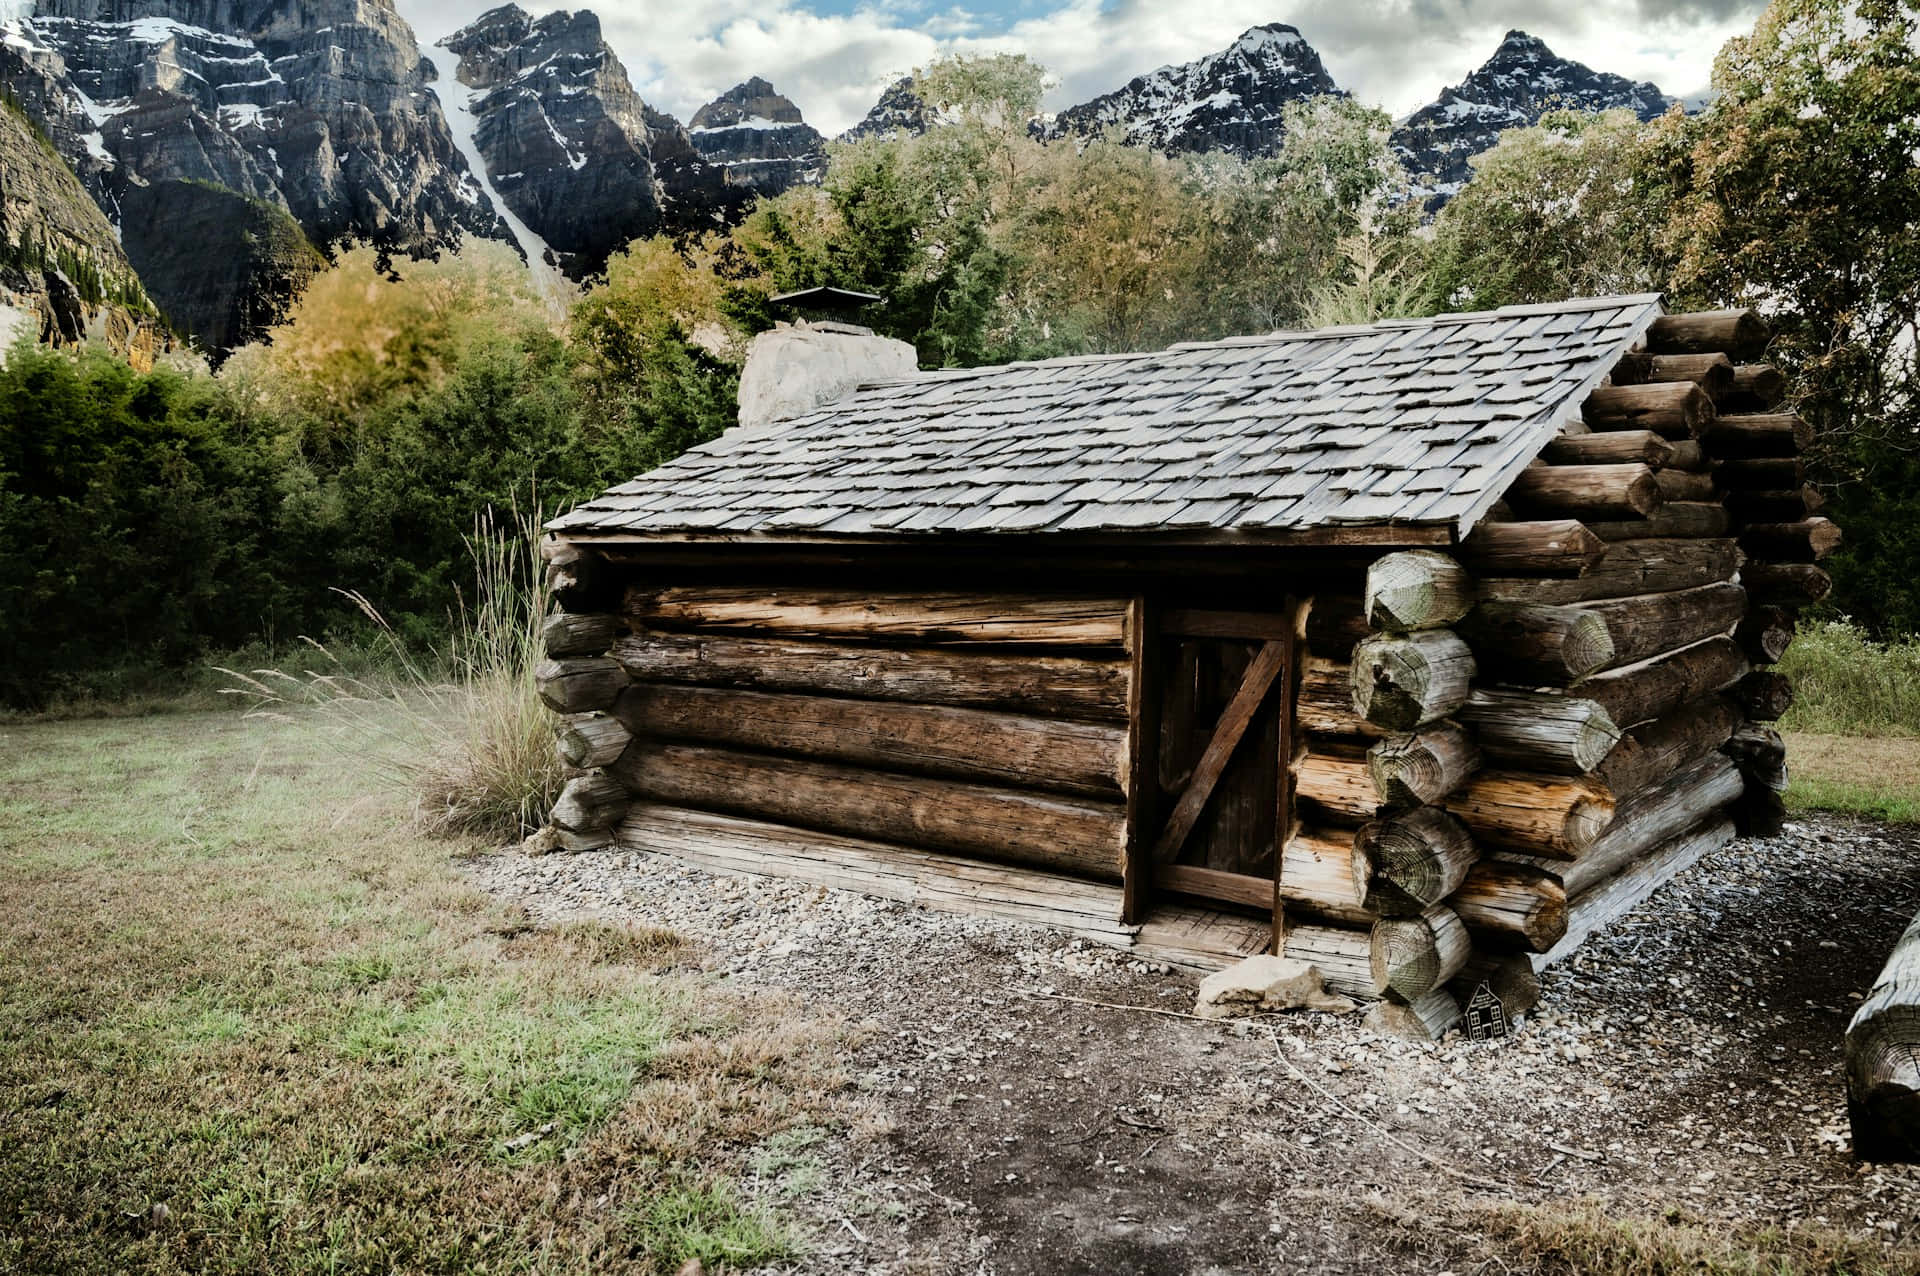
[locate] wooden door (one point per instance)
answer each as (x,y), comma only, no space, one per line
(1225,685)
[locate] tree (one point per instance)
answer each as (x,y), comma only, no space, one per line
(1802,198)
(1572,207)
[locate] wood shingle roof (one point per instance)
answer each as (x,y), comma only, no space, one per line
(1414,423)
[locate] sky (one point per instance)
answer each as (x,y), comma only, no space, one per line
(832,57)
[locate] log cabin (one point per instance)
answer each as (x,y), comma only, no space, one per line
(1418,650)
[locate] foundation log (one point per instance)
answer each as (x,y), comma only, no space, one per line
(1511,906)
(1413,860)
(1682,800)
(1422,767)
(1675,409)
(1401,682)
(1416,589)
(1413,956)
(1568,735)
(1556,547)
(1551,816)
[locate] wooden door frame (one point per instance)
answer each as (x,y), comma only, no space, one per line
(1156,833)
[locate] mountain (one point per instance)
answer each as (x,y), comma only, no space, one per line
(758,138)
(320,111)
(1521,82)
(899,111)
(569,146)
(63,276)
(1229,101)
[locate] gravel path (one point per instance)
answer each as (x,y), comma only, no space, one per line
(1690,1056)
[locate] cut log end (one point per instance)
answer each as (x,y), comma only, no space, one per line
(1404,682)
(1413,956)
(1416,589)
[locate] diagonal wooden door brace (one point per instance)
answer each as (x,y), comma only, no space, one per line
(1259,679)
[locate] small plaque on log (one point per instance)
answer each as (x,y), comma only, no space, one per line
(1486,1017)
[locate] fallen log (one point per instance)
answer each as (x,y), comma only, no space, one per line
(1422,767)
(579,684)
(1507,906)
(1554,547)
(1072,835)
(1585,491)
(1763,695)
(1673,519)
(1412,860)
(587,740)
(1520,642)
(1416,589)
(1568,735)
(1756,434)
(1807,541)
(1627,568)
(1055,686)
(1765,634)
(1653,750)
(1656,687)
(940,740)
(1551,816)
(1883,1059)
(1412,956)
(1675,409)
(1401,682)
(1786,584)
(1738,334)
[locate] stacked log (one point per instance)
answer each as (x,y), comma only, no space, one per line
(581,683)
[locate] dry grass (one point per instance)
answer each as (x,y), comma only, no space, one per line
(1874,777)
(252,1021)
(462,732)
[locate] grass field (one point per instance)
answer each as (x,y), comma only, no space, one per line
(250,1022)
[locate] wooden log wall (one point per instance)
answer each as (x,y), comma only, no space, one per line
(1571,707)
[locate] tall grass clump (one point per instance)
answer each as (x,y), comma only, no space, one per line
(1845,683)
(459,729)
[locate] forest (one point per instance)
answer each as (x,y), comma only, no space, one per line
(148,521)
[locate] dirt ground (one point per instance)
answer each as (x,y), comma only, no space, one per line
(1686,1063)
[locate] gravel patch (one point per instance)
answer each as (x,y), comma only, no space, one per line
(1688,1057)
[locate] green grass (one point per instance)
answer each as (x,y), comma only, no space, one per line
(251,1021)
(1847,684)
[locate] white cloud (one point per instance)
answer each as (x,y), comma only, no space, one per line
(1397,53)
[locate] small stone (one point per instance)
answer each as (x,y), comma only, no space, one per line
(1265,983)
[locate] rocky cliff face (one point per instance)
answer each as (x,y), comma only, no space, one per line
(758,139)
(899,111)
(1226,101)
(1521,82)
(569,145)
(63,276)
(320,109)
